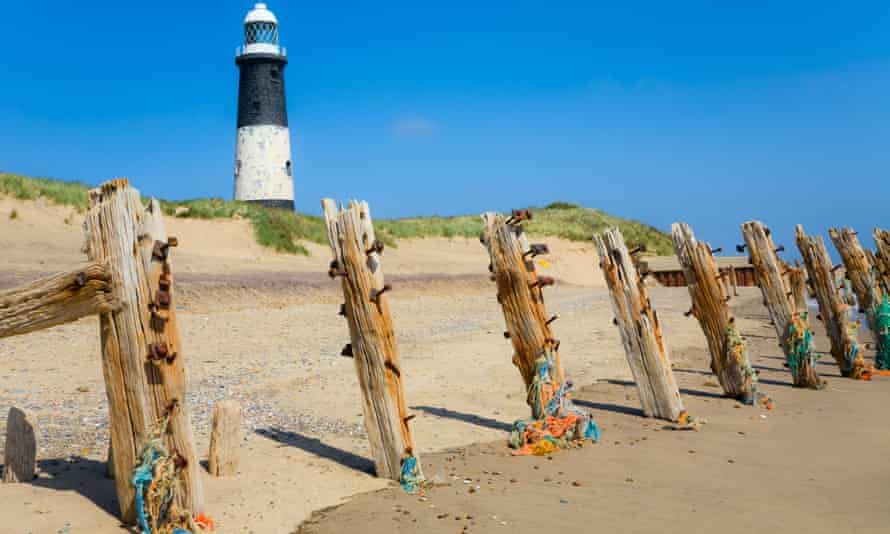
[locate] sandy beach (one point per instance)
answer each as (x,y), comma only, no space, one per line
(262,328)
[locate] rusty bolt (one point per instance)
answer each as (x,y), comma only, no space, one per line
(162,299)
(164,283)
(375,293)
(740,248)
(343,309)
(519,216)
(172,405)
(179,461)
(506,335)
(159,251)
(537,249)
(410,417)
(542,281)
(80,280)
(615,321)
(780,248)
(717,250)
(376,246)
(347,350)
(550,320)
(688,313)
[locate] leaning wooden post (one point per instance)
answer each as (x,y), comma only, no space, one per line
(859,272)
(356,255)
(520,292)
(20,452)
(641,335)
(789,322)
(832,309)
(797,282)
(141,358)
(729,353)
(882,257)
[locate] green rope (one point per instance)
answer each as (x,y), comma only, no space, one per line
(882,333)
(800,344)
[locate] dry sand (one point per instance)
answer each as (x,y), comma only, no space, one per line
(263,328)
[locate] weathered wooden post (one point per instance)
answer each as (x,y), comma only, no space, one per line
(20,452)
(833,310)
(57,299)
(225,439)
(859,271)
(790,323)
(729,353)
(641,335)
(797,282)
(555,422)
(520,293)
(882,257)
(356,260)
(142,361)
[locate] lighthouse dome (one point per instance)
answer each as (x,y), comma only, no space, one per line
(260,13)
(260,32)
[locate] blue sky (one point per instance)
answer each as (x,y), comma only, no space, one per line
(656,111)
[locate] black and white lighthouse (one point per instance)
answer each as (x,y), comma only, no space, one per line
(263,170)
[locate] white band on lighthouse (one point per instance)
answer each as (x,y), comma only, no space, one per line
(263,166)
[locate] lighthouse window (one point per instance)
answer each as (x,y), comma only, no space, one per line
(274,74)
(256,105)
(287,166)
(261,32)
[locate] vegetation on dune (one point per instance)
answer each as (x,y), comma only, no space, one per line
(285,231)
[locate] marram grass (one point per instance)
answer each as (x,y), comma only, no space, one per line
(286,231)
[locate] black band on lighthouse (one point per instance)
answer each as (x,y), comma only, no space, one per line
(261,97)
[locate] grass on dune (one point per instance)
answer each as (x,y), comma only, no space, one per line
(285,231)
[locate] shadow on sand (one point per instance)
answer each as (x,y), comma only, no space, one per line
(486,422)
(316,447)
(80,475)
(609,407)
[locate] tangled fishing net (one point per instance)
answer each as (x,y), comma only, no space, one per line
(852,352)
(799,343)
(411,479)
(882,334)
(157,482)
(556,423)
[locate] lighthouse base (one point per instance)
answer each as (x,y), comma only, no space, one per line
(272,203)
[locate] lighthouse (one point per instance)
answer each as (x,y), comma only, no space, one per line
(263,169)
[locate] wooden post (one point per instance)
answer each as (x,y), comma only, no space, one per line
(20,453)
(789,322)
(859,271)
(225,439)
(797,283)
(520,293)
(729,354)
(58,299)
(733,279)
(356,259)
(882,257)
(641,335)
(143,364)
(844,346)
